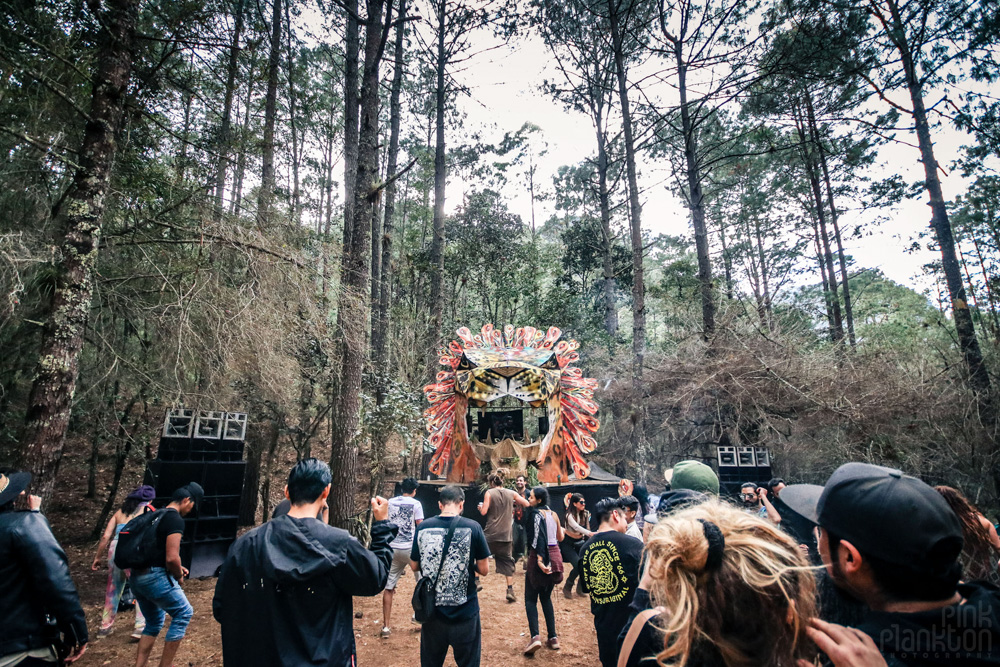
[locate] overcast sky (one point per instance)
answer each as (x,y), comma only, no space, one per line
(506,94)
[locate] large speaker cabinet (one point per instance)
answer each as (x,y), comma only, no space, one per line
(205,447)
(738,465)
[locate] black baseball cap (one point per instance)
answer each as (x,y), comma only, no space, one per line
(884,513)
(193,491)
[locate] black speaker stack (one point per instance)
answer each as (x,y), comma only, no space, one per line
(206,447)
(738,465)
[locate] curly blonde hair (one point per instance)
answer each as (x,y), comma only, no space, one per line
(753,608)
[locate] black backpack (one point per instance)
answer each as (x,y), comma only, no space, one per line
(137,541)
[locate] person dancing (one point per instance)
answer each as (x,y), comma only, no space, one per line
(498,508)
(577,531)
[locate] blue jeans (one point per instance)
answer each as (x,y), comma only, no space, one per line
(157,593)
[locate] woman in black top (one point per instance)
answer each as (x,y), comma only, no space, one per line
(577,531)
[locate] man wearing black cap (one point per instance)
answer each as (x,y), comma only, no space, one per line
(157,588)
(891,541)
(36,584)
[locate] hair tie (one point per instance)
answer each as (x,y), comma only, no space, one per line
(716,544)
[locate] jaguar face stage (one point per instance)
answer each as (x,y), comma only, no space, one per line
(527,365)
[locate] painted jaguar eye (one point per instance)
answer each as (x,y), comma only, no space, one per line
(465,364)
(551,365)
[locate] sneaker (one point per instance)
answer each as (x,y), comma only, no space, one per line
(533,645)
(386,632)
(553,643)
(103,632)
(510,594)
(413,619)
(568,592)
(136,635)
(479,586)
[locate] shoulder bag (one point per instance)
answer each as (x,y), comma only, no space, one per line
(425,593)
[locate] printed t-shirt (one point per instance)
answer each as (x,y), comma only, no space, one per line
(500,516)
(456,588)
(171,524)
(609,563)
(404,512)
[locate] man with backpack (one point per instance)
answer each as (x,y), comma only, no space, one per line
(451,549)
(150,544)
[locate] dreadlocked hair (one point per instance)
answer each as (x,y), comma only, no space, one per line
(497,477)
(977,552)
(753,608)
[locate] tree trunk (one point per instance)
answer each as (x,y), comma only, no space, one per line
(979,379)
(607,240)
(182,156)
(440,177)
(79,218)
(351,45)
(354,305)
(266,192)
(990,296)
(842,259)
(696,199)
(251,478)
(265,491)
(765,305)
(727,260)
(124,448)
(837,333)
(822,272)
(635,210)
(292,124)
(226,129)
(241,158)
(380,328)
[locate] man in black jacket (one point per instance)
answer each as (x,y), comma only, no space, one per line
(284,595)
(36,584)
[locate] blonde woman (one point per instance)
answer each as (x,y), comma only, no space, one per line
(731,589)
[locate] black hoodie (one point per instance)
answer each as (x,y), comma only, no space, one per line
(284,595)
(961,634)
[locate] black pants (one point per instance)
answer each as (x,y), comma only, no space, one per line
(520,540)
(464,637)
(531,599)
(607,642)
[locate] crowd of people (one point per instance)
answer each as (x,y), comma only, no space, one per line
(873,568)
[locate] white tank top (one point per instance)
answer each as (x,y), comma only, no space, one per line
(550,527)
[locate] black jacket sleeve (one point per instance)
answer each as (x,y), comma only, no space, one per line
(225,574)
(367,570)
(48,568)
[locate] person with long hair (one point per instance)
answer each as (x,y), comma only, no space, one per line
(577,531)
(498,508)
(726,588)
(135,504)
(981,543)
(545,568)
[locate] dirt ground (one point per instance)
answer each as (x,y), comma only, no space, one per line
(505,626)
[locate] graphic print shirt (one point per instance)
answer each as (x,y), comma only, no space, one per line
(456,587)
(404,512)
(609,564)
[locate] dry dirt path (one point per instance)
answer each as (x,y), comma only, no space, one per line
(504,628)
